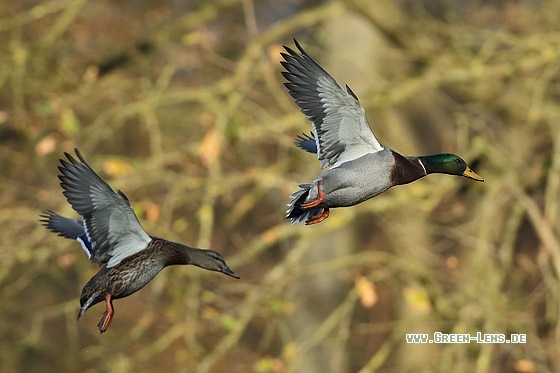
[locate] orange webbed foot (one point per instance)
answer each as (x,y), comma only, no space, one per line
(317,201)
(318,218)
(107,315)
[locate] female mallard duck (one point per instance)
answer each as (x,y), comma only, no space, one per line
(112,236)
(361,168)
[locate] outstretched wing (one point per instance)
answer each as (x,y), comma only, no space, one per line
(340,125)
(109,220)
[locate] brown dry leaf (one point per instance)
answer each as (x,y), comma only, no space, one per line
(452,262)
(366,291)
(209,148)
(524,365)
(146,320)
(66,260)
(117,167)
(3,116)
(270,235)
(274,51)
(46,146)
(152,212)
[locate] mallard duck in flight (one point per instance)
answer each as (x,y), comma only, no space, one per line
(360,167)
(112,237)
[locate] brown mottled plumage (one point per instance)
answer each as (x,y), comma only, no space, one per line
(112,236)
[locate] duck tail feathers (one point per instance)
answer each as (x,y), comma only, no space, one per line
(294,212)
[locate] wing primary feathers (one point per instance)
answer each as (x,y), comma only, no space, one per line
(351,92)
(339,123)
(108,219)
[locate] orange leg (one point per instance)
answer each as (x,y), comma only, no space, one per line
(317,201)
(318,218)
(107,315)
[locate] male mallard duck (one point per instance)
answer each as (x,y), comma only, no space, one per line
(112,236)
(361,168)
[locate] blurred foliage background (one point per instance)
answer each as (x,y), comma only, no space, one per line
(180,104)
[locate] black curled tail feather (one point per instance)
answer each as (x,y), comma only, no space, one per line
(295,213)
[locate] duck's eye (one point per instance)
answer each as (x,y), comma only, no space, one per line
(457,161)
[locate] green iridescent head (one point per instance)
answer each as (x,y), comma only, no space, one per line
(450,164)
